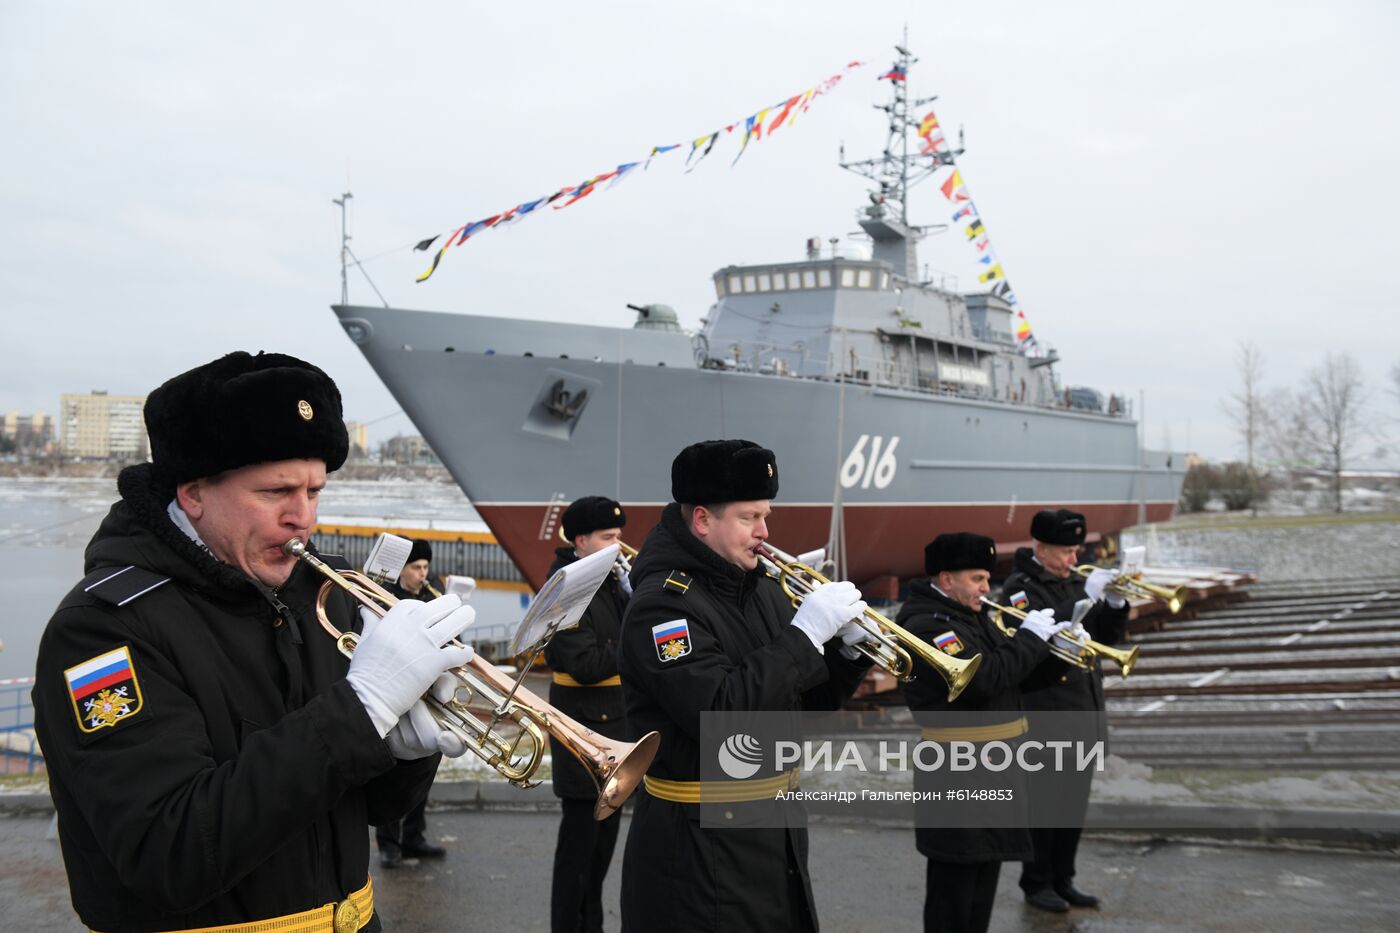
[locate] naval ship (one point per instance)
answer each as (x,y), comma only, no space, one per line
(897,407)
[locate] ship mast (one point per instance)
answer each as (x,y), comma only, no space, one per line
(896,170)
(344,247)
(347,253)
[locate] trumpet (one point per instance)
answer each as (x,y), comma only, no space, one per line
(626,553)
(1135,587)
(432,590)
(889,645)
(616,767)
(1071,650)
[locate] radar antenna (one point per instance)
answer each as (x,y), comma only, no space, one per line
(896,169)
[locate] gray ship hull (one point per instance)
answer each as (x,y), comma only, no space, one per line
(528,416)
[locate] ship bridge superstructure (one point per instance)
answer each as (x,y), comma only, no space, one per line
(861,320)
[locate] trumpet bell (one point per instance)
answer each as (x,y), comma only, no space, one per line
(889,646)
(1125,660)
(629,764)
(958,676)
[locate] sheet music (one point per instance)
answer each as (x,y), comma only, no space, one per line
(462,586)
(564,598)
(1132,561)
(387,557)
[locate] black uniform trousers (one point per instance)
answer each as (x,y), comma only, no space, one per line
(581,859)
(958,897)
(409,831)
(412,830)
(1053,867)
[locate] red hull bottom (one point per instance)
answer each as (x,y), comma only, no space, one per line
(880,540)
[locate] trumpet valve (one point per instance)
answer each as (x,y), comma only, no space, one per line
(1081,652)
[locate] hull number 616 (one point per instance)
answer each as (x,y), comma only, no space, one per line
(877,466)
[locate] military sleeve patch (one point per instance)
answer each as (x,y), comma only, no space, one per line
(672,640)
(104,690)
(1020,600)
(948,643)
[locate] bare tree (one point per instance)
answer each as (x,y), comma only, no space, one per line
(1246,407)
(1332,399)
(1286,434)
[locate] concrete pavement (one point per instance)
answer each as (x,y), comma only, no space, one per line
(868,878)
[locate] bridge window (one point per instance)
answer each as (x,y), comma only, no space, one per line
(823,278)
(764,282)
(809,280)
(794,280)
(848,278)
(863,278)
(735,286)
(749,285)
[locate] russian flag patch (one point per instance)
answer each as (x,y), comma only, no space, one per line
(104,690)
(1020,600)
(672,640)
(948,643)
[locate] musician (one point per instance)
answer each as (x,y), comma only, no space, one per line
(586,686)
(706,629)
(1044,578)
(213,758)
(408,837)
(964,864)
(413,579)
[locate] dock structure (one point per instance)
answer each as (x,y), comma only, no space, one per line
(1303,675)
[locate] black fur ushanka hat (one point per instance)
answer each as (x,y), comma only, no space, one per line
(712,472)
(242,409)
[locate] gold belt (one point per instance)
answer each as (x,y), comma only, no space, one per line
(347,916)
(721,791)
(1000,730)
(564,680)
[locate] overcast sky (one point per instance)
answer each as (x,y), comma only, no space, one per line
(1159,184)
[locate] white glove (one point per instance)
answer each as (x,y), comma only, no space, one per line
(622,580)
(1098,579)
(1078,632)
(852,634)
(403,654)
(418,735)
(1041,623)
(826,609)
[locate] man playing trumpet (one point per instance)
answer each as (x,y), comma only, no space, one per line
(707,630)
(586,686)
(408,837)
(964,863)
(214,759)
(1044,578)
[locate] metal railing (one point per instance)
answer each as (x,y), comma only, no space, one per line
(19,747)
